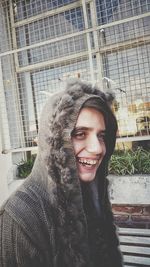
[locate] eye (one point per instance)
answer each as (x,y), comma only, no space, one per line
(101,137)
(80,135)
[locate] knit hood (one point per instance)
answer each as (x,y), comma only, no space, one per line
(55,156)
(55,166)
(52,204)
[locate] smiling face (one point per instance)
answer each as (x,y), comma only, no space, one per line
(88,142)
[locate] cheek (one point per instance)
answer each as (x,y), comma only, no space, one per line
(104,149)
(77,146)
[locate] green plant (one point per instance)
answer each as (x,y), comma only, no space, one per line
(25,167)
(130,162)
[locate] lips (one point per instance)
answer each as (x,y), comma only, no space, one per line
(87,163)
(87,167)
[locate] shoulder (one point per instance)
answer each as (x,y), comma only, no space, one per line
(30,210)
(18,248)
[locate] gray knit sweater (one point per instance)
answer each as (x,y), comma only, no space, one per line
(48,221)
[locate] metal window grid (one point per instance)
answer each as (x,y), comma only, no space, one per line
(42,43)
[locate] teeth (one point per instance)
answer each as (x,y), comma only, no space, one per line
(88,161)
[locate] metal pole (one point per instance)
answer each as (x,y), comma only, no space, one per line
(88,42)
(96,42)
(5,137)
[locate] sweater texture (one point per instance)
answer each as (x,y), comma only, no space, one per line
(54,220)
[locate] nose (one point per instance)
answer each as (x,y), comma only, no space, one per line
(94,146)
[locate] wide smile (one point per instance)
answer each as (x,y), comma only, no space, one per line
(88,163)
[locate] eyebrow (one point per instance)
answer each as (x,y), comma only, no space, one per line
(81,128)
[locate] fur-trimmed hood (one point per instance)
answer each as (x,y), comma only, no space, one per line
(57,122)
(55,164)
(50,206)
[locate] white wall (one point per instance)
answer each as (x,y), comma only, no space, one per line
(5,165)
(130,189)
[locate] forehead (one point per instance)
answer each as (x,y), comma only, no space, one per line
(91,118)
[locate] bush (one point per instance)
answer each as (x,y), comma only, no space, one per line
(25,167)
(130,162)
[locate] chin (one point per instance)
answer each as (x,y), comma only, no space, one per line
(86,177)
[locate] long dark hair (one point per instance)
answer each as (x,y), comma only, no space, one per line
(101,105)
